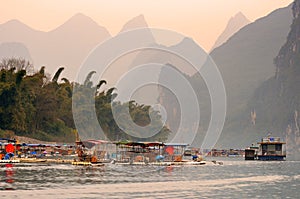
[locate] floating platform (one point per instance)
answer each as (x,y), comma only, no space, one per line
(143,163)
(161,163)
(271,157)
(82,163)
(38,160)
(87,164)
(9,161)
(59,161)
(31,160)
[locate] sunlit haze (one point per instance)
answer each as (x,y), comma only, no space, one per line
(203,20)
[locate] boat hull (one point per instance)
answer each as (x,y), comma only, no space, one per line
(271,157)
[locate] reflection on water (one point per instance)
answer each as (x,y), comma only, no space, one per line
(235,179)
(9,172)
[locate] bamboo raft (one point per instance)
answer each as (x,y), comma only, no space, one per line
(161,163)
(9,161)
(80,163)
(97,164)
(37,160)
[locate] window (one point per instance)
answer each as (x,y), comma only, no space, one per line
(278,147)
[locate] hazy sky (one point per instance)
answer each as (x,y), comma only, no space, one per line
(202,20)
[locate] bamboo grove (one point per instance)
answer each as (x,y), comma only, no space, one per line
(36,106)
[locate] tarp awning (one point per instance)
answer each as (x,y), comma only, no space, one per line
(91,143)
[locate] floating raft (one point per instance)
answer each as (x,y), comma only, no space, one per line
(193,163)
(38,160)
(9,161)
(87,164)
(31,160)
(59,161)
(161,163)
(82,163)
(144,163)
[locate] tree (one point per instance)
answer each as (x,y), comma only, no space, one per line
(34,106)
(57,74)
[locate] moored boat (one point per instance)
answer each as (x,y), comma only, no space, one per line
(269,148)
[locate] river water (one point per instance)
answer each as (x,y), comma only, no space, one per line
(236,178)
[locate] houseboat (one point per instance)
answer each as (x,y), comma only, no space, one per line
(251,153)
(269,148)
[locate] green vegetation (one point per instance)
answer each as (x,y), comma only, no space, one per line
(33,105)
(103,102)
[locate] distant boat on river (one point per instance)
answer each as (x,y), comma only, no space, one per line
(269,148)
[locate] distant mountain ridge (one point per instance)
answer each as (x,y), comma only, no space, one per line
(15,50)
(234,24)
(245,61)
(277,100)
(66,45)
(136,22)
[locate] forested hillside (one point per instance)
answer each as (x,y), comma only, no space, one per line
(33,105)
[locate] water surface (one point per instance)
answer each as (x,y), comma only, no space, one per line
(236,178)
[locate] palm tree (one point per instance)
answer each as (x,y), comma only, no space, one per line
(57,74)
(87,81)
